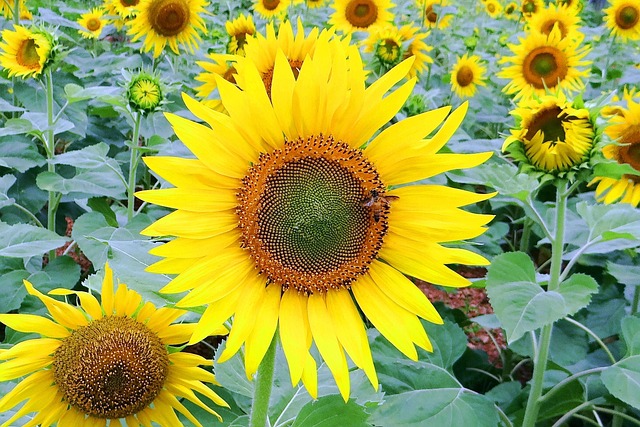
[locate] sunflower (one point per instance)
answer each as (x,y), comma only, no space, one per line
(544,62)
(314,4)
(576,5)
(467,74)
(220,65)
(553,135)
(270,9)
(7,8)
(624,128)
(313,225)
(566,19)
(416,49)
(431,13)
(103,361)
(511,11)
(386,44)
(26,52)
(528,8)
(493,8)
(360,15)
(145,92)
(172,22)
(25,13)
(121,11)
(623,19)
(239,30)
(92,23)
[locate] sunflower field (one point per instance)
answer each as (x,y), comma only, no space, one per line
(320,213)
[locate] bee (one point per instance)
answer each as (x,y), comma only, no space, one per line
(378,203)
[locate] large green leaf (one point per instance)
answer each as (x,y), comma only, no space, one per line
(19,153)
(623,380)
(76,93)
(631,335)
(5,183)
(331,411)
(24,240)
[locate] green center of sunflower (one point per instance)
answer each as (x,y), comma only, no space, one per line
(464,76)
(27,55)
(388,52)
(545,66)
(169,17)
(529,7)
(310,214)
(93,24)
(509,9)
(361,13)
(112,368)
(627,17)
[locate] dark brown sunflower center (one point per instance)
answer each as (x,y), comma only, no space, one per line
(129,3)
(627,17)
(112,368)
(545,66)
(267,76)
(361,13)
(549,122)
(547,27)
(27,55)
(430,15)
(169,17)
(629,151)
(270,4)
(93,24)
(307,214)
(464,77)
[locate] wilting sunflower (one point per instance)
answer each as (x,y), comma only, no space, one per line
(493,8)
(431,13)
(288,223)
(531,7)
(624,129)
(92,23)
(171,22)
(103,361)
(239,30)
(544,62)
(270,9)
(552,136)
(386,44)
(416,48)
(511,11)
(26,52)
(467,74)
(623,19)
(360,15)
(566,19)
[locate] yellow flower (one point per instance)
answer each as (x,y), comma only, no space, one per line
(26,52)
(239,30)
(122,10)
(624,129)
(269,9)
(103,361)
(431,13)
(493,8)
(222,65)
(553,135)
(93,23)
(360,15)
(544,62)
(576,5)
(416,49)
(623,19)
(531,7)
(511,11)
(386,44)
(565,18)
(314,4)
(467,74)
(171,22)
(287,223)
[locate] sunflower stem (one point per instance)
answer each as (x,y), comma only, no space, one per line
(636,300)
(50,148)
(542,351)
(263,386)
(16,12)
(133,164)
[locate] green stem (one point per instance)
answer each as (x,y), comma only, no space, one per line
(617,413)
(558,387)
(50,148)
(542,353)
(526,234)
(133,165)
(16,12)
(636,300)
(263,386)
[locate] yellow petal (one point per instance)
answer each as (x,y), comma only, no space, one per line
(26,349)
(163,317)
(192,225)
(191,199)
(427,166)
(310,376)
(196,248)
(190,173)
(215,315)
(16,368)
(450,126)
(106,294)
(32,323)
(61,312)
(282,94)
(260,338)
(172,265)
(88,302)
(294,327)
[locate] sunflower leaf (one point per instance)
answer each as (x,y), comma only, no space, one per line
(623,380)
(331,411)
(24,240)
(631,335)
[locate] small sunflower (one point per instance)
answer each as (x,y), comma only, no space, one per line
(623,19)
(528,8)
(624,129)
(125,9)
(431,13)
(315,221)
(144,92)
(467,74)
(269,9)
(171,22)
(92,23)
(511,11)
(219,65)
(314,4)
(543,62)
(103,361)
(416,48)
(26,52)
(360,15)
(576,5)
(239,30)
(386,44)
(552,136)
(493,8)
(566,19)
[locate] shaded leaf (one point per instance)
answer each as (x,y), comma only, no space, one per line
(623,380)
(331,411)
(631,335)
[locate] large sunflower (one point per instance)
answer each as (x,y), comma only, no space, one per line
(26,52)
(623,19)
(544,62)
(92,23)
(432,13)
(625,131)
(171,22)
(566,19)
(467,74)
(103,361)
(270,9)
(287,223)
(360,15)
(553,136)
(239,30)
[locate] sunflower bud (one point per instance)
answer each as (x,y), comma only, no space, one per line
(144,92)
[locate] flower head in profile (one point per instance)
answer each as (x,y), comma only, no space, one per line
(432,13)
(552,135)
(168,22)
(360,15)
(239,30)
(144,92)
(622,18)
(467,74)
(92,23)
(624,130)
(416,48)
(103,361)
(26,52)
(299,221)
(544,63)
